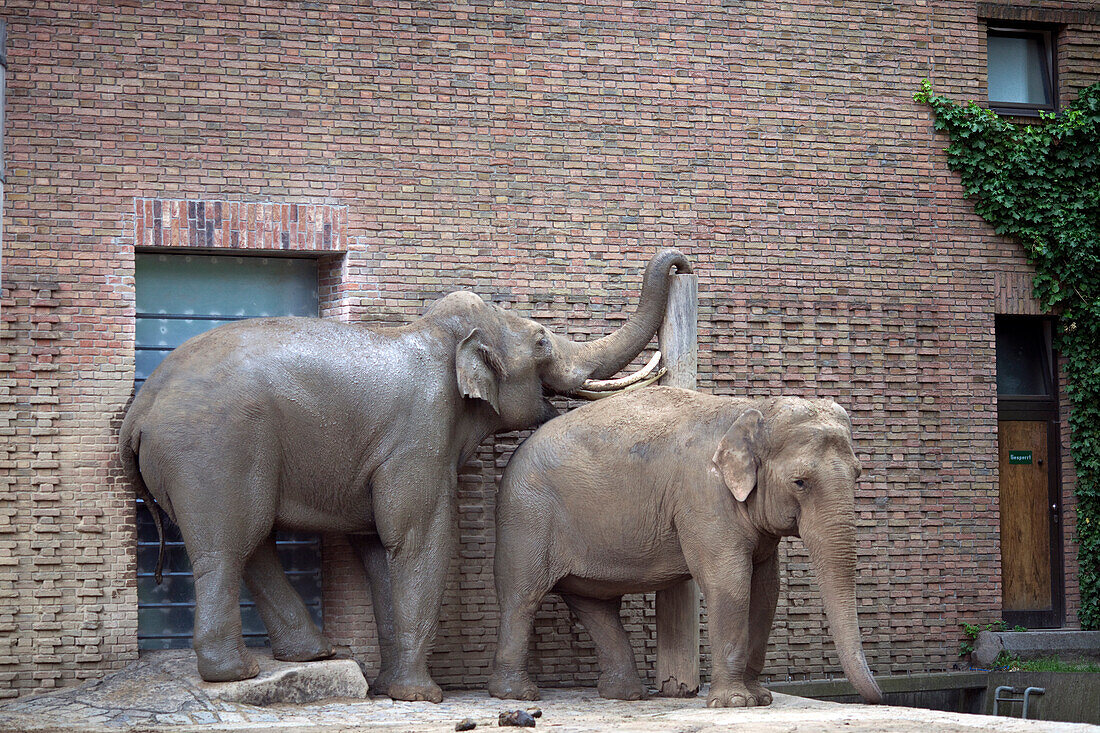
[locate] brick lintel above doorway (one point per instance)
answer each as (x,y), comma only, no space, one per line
(245,225)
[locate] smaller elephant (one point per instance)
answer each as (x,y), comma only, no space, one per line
(646,489)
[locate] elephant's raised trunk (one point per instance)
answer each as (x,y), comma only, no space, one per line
(832,551)
(604,357)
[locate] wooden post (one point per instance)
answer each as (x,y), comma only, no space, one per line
(678,607)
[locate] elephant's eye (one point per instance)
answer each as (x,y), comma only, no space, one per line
(542,346)
(800,483)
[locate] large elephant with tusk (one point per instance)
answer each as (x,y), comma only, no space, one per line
(310,424)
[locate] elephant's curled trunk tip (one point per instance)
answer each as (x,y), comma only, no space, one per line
(666,259)
(602,358)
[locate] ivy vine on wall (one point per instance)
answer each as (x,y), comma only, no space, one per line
(1041,184)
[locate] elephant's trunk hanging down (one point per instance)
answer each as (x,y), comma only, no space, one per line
(832,552)
(604,357)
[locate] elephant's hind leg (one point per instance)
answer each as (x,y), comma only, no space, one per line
(618,671)
(294,637)
(219,646)
(222,522)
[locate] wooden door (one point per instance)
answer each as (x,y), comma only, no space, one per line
(1026,558)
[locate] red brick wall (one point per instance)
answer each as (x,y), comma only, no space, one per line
(537,154)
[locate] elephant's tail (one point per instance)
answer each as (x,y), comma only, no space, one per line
(128,453)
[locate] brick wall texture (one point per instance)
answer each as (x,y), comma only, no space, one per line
(538,154)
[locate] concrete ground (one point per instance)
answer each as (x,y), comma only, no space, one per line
(162,693)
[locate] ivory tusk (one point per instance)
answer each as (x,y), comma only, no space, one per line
(588,394)
(603,385)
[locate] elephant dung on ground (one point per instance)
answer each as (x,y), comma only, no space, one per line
(310,424)
(643,490)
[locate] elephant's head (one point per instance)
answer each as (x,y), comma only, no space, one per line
(514,364)
(791,465)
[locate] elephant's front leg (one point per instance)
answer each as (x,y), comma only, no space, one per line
(763,597)
(726,584)
(416,527)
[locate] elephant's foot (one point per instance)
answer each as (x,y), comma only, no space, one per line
(621,687)
(235,665)
(414,690)
(512,686)
(303,646)
(733,696)
(763,697)
(380,685)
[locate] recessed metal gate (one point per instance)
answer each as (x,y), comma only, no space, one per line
(179,296)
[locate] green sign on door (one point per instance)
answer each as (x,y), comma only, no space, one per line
(1019,456)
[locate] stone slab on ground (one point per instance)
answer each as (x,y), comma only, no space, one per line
(165,687)
(157,694)
(1069,646)
(278,682)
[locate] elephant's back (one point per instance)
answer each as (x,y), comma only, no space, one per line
(255,341)
(625,445)
(255,351)
(652,414)
(278,374)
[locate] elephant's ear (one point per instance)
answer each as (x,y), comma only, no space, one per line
(737,457)
(479,369)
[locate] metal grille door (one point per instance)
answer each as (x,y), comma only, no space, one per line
(179,296)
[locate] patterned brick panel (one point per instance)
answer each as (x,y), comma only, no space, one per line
(246,225)
(1013,293)
(536,154)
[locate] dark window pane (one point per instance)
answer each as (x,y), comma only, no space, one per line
(1019,72)
(168,623)
(221,285)
(175,588)
(1023,357)
(155,332)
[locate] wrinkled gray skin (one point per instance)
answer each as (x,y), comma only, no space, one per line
(309,424)
(643,490)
